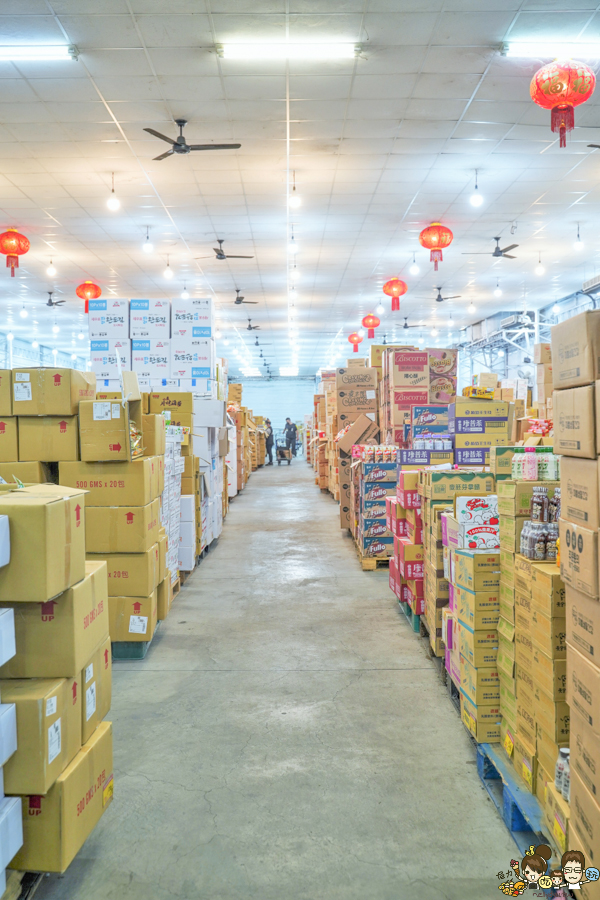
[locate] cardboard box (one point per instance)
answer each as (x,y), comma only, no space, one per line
(478,610)
(48,438)
(181,402)
(514,497)
(575,422)
(481,686)
(363,431)
(557,815)
(51,392)
(48,731)
(510,532)
(542,353)
(133,618)
(547,590)
(549,634)
(136,573)
(477,571)
(585,754)
(483,731)
(56,826)
(121,529)
(128,484)
(549,674)
(9,439)
(47,541)
(154,433)
(479,648)
(104,429)
(583,689)
(105,356)
(576,350)
(585,817)
(150,319)
(442,485)
(525,762)
(580,492)
(54,639)
(583,625)
(26,472)
(579,557)
(355,379)
(356,400)
(164,597)
(6,392)
(551,717)
(96,688)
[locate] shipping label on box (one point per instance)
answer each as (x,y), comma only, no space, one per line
(150,358)
(150,319)
(108,319)
(96,687)
(103,358)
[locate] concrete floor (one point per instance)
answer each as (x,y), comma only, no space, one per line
(286,737)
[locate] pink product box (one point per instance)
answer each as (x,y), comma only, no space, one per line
(401,528)
(452,598)
(408,499)
(412,571)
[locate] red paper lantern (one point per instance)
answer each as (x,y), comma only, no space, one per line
(435,237)
(14,245)
(560,86)
(395,288)
(355,339)
(370,322)
(88,291)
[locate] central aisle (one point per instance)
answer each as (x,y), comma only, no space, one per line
(286,738)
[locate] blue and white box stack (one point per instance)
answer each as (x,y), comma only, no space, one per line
(193,339)
(150,320)
(108,323)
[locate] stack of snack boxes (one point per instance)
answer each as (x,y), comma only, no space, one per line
(59,680)
(542,357)
(373,478)
(478,425)
(407,565)
(576,381)
(361,432)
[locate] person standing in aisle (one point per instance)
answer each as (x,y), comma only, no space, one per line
(269,434)
(290,431)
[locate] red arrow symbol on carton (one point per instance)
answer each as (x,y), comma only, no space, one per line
(129,517)
(63,427)
(47,609)
(106,659)
(137,607)
(74,693)
(57,379)
(78,515)
(116,447)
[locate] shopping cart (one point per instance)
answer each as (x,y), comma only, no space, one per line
(282,452)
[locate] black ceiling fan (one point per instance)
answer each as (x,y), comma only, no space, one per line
(594,146)
(220,253)
(181,146)
(251,327)
(51,302)
(239,299)
(406,325)
(498,252)
(440,299)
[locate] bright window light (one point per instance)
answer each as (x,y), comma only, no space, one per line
(35,345)
(556,309)
(37,53)
(73,356)
(251,371)
(55,329)
(80,336)
(291,371)
(551,50)
(272,51)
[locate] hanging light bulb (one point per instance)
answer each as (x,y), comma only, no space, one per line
(217,335)
(361,332)
(555,309)
(539,269)
(501,353)
(498,291)
(35,345)
(113,201)
(471,307)
(185,294)
(55,329)
(414,269)
(73,356)
(380,309)
(294,274)
(54,352)
(434,332)
(168,273)
(578,245)
(476,198)
(80,336)
(226,342)
(23,313)
(294,200)
(10,336)
(293,246)
(51,271)
(147,246)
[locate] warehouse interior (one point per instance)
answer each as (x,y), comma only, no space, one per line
(299,509)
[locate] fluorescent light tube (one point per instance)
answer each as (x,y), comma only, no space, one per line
(270,51)
(39,53)
(551,50)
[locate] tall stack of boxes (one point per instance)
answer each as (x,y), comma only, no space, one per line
(362,431)
(374,482)
(110,344)
(11,825)
(407,565)
(576,379)
(542,357)
(60,677)
(477,426)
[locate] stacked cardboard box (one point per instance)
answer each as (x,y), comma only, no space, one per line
(478,425)
(60,677)
(374,482)
(11,825)
(110,345)
(576,374)
(407,565)
(362,431)
(543,360)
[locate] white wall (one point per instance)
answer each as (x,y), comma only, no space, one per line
(278,399)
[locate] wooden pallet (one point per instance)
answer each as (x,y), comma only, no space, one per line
(176,587)
(21,885)
(371,563)
(413,620)
(520,811)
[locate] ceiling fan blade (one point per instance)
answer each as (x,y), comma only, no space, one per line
(510,247)
(235,256)
(214,146)
(204,257)
(164,155)
(508,256)
(453,297)
(595,146)
(478,253)
(252,302)
(163,137)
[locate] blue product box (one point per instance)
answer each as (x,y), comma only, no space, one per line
(379,472)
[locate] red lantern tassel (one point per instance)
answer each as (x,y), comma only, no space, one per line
(562,120)
(12,261)
(370,333)
(395,304)
(355,348)
(435,258)
(87,306)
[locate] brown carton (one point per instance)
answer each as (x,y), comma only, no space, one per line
(542,354)
(47,543)
(164,597)
(355,379)
(96,689)
(26,472)
(350,400)
(128,484)
(181,402)
(549,634)
(576,350)
(579,557)
(121,529)
(136,573)
(133,618)
(48,731)
(583,625)
(585,754)
(104,429)
(9,439)
(557,815)
(550,674)
(56,826)
(580,502)
(55,638)
(50,392)
(48,438)
(363,431)
(575,422)
(585,817)
(583,689)
(6,392)
(547,590)
(525,762)
(154,435)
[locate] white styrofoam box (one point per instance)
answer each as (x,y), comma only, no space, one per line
(187,511)
(209,413)
(150,359)
(165,384)
(179,465)
(108,320)
(196,385)
(187,534)
(4,542)
(7,634)
(11,828)
(107,384)
(192,359)
(8,731)
(199,444)
(187,558)
(103,356)
(150,319)
(198,313)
